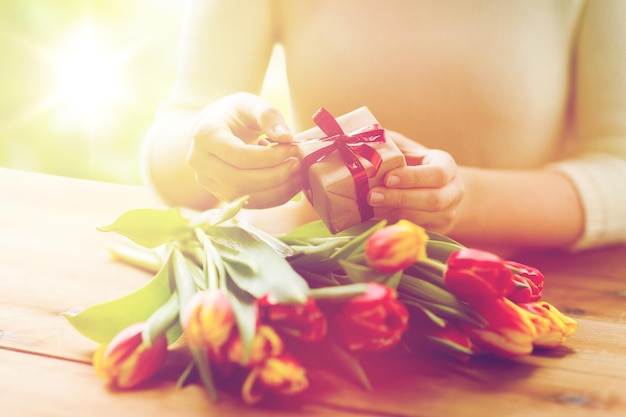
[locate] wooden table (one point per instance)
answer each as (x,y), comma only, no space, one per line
(53,260)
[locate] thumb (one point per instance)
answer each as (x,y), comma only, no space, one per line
(271,121)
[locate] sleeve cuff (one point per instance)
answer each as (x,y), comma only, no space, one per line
(601,183)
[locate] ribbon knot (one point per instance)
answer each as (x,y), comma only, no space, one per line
(350,146)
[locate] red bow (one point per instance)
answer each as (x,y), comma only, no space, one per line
(350,147)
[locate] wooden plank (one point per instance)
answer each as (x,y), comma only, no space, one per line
(429,388)
(54,260)
(37,386)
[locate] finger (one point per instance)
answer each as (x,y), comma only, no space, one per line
(421,199)
(436,169)
(220,142)
(258,197)
(270,120)
(221,178)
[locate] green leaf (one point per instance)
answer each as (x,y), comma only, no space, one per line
(212,264)
(202,361)
(273,274)
(355,272)
(317,257)
(327,353)
(150,227)
(441,250)
(278,245)
(436,237)
(239,257)
(101,322)
(450,346)
(164,321)
(245,310)
(338,293)
(424,273)
(427,291)
(464,314)
(358,240)
(316,279)
(213,217)
(183,277)
(308,230)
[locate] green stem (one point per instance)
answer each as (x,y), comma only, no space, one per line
(435,265)
(183,278)
(138,257)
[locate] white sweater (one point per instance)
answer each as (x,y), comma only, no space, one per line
(520,84)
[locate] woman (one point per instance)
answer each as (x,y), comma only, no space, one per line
(511,115)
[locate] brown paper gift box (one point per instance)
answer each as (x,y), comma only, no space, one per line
(332,190)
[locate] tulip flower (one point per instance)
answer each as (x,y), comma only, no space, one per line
(279,374)
(208,320)
(127,361)
(475,276)
(528,283)
(372,321)
(304,321)
(264,344)
(509,331)
(395,247)
(553,327)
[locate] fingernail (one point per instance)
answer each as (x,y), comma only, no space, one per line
(281,130)
(392,180)
(376,198)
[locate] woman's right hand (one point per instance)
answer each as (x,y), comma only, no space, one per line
(229,162)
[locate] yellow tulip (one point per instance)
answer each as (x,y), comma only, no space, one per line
(396,247)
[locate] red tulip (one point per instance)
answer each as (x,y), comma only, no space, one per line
(304,321)
(395,247)
(475,276)
(372,321)
(528,283)
(127,361)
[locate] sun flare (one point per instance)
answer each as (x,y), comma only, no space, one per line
(89,76)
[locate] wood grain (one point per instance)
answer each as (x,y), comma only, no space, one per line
(53,260)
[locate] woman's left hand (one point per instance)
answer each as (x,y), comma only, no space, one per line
(428,191)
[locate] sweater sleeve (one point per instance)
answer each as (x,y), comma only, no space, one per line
(596,159)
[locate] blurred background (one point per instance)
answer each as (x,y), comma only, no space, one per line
(80,82)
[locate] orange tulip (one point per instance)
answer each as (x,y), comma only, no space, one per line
(127,361)
(509,331)
(264,344)
(553,327)
(395,247)
(208,320)
(279,374)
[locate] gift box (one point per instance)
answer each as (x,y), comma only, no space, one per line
(342,160)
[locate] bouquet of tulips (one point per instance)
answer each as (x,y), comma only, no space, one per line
(246,304)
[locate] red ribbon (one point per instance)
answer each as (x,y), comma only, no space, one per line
(350,147)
